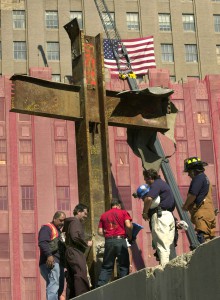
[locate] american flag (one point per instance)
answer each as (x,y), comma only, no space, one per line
(140,52)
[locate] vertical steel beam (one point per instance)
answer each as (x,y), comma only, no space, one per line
(93,166)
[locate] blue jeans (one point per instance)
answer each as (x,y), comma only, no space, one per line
(54,280)
(114,248)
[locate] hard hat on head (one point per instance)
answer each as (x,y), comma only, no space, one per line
(142,190)
(194,163)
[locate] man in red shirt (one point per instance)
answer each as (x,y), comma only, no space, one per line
(115,225)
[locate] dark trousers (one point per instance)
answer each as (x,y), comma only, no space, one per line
(77,280)
(114,248)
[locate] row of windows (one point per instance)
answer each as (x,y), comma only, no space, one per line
(30,288)
(191,53)
(167,55)
(165,22)
(29,245)
(28,201)
(188,22)
(203,112)
(51,19)
(26,154)
(52,22)
(20,51)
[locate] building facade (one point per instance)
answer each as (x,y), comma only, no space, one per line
(38,172)
(186,33)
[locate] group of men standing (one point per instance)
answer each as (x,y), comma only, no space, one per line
(116,227)
(67,253)
(55,254)
(199,203)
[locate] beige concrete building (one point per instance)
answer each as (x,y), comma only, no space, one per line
(186,33)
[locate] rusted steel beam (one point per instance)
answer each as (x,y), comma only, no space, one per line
(94,174)
(45,98)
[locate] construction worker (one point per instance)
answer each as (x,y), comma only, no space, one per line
(199,199)
(51,261)
(158,211)
(115,225)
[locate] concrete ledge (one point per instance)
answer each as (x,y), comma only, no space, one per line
(191,276)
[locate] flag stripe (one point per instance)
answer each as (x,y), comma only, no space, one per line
(140,52)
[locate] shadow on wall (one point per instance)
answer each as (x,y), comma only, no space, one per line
(137,257)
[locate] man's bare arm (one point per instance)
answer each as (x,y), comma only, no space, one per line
(129,228)
(100,231)
(147,204)
(189,200)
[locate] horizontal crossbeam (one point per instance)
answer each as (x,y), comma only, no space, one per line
(40,97)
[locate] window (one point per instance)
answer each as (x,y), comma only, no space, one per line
(191,53)
(4,246)
(51,19)
(122,155)
(3,152)
(5,288)
(214,197)
(164,22)
(61,152)
(63,198)
(56,77)
(107,20)
(3,198)
(218,53)
(20,52)
(30,288)
(181,154)
(203,112)
(18,19)
(133,21)
(190,78)
(27,197)
(24,117)
(188,22)
(217,23)
(206,148)
(167,52)
(172,79)
(53,51)
(79,16)
(180,118)
(29,248)
(25,152)
(125,195)
(2,109)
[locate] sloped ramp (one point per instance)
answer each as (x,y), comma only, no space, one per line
(192,276)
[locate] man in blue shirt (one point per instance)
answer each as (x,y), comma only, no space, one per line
(199,199)
(161,218)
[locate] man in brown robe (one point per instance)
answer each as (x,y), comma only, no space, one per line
(77,280)
(199,200)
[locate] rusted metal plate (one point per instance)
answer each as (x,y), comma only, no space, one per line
(45,98)
(144,108)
